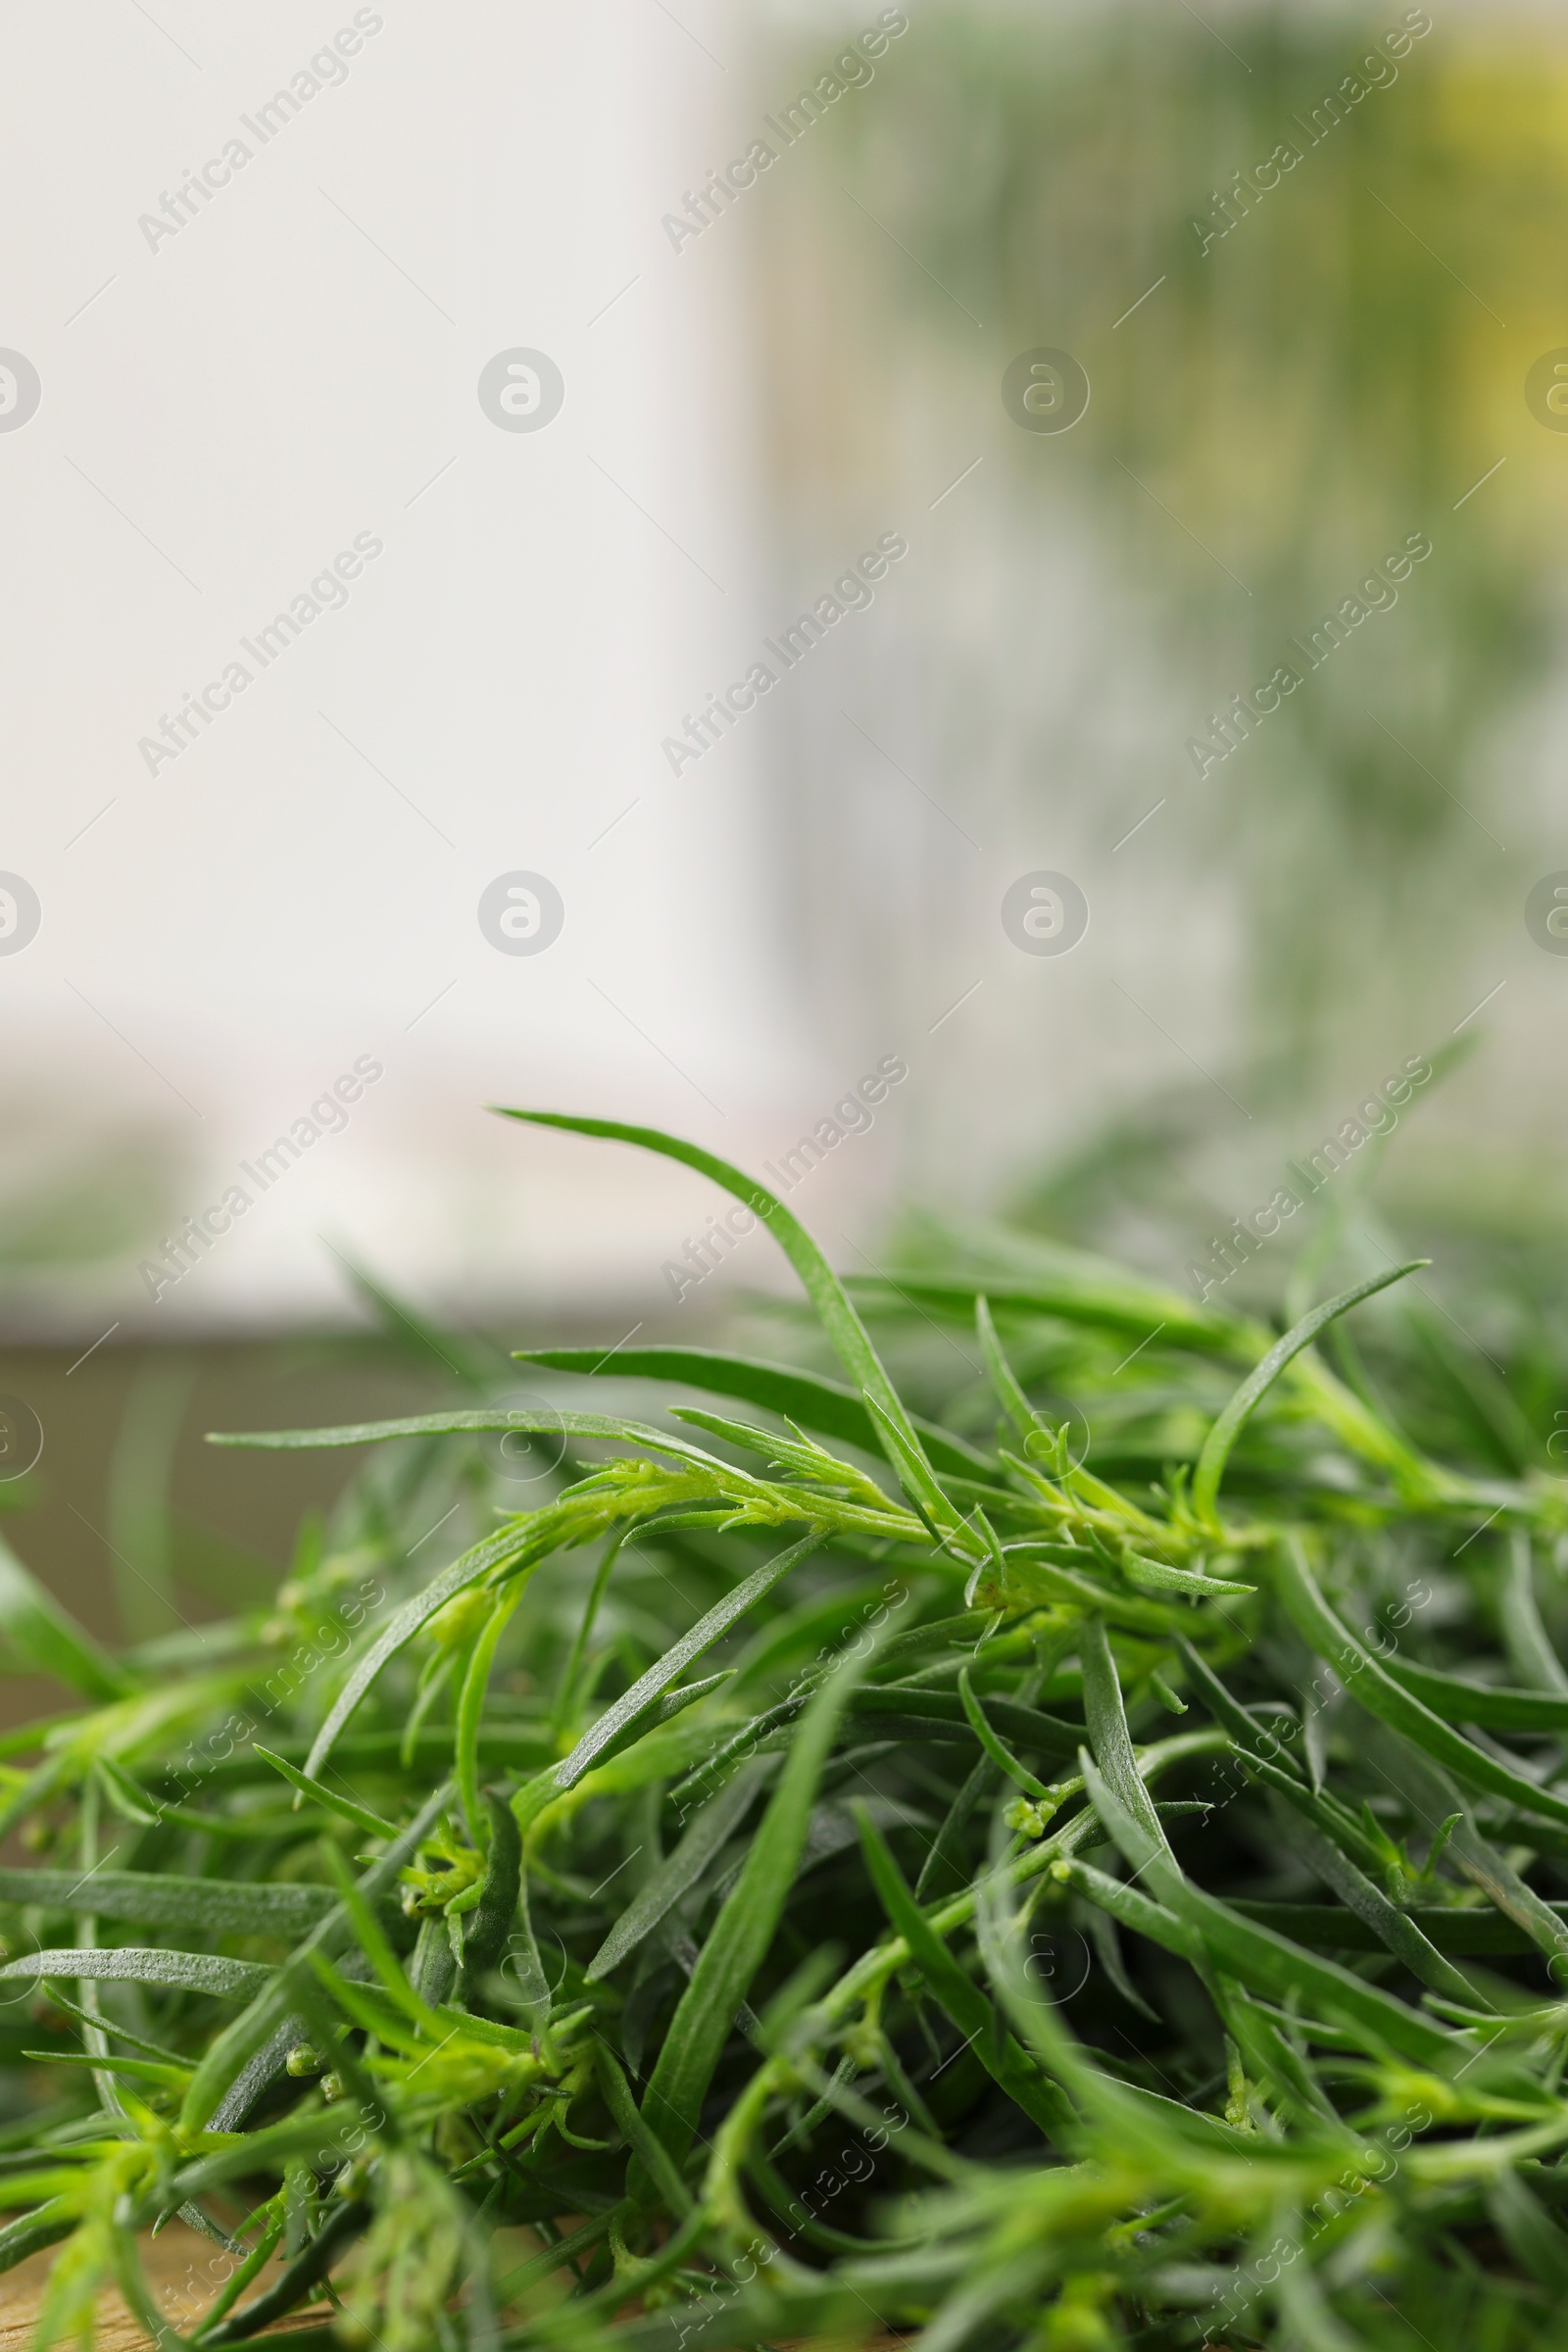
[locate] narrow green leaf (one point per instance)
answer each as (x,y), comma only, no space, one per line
(143,1964)
(1394,1928)
(1461,1933)
(1266,1962)
(320,1794)
(467,1421)
(566,1690)
(796,1454)
(51,1641)
(1044,1570)
(344,2223)
(468,1569)
(649,1686)
(1529,2233)
(1436,1800)
(1134,2116)
(270,2144)
(540,2267)
(1009,1394)
(944,1857)
(1109,1737)
(1020,1725)
(109,2028)
(1134,1910)
(31,2233)
(475,1366)
(369,1935)
(1525,1636)
(221,1906)
(261,2252)
(851,1340)
(680,1871)
(503,1747)
(745,1927)
(1319,1806)
(138,2069)
(1376,1690)
(1492,1707)
(1136,1830)
(1158,1576)
(394,2021)
(918,1481)
(806,1398)
(126,1795)
(1004,1761)
(1243,1728)
(900,1711)
(646,2145)
(261,2027)
(962,2000)
(1276,2064)
(497,1907)
(471,1707)
(1228,1427)
(1088,1291)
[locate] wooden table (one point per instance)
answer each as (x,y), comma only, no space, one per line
(175,2263)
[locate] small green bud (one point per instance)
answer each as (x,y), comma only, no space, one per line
(864,2043)
(302,2060)
(1166,1695)
(332,2087)
(1048,1447)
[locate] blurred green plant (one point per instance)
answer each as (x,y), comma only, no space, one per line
(71,1198)
(1287,403)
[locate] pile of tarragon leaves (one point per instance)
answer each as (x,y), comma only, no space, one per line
(1073,1868)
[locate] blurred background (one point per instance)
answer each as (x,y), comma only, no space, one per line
(1291,280)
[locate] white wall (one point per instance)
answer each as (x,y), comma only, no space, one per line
(224,410)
